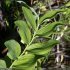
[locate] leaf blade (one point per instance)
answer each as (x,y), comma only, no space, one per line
(49,15)
(29,16)
(42,48)
(2,64)
(67,4)
(14,49)
(25,62)
(46,30)
(23,31)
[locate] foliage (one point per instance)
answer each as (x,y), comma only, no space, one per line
(31,27)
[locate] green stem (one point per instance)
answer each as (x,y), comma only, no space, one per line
(31,40)
(34,36)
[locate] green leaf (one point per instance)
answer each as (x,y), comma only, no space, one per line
(23,31)
(49,15)
(46,30)
(42,48)
(8,2)
(67,38)
(14,49)
(2,64)
(67,4)
(25,62)
(29,16)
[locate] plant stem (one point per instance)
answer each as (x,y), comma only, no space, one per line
(28,44)
(31,40)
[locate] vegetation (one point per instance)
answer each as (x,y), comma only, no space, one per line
(32,33)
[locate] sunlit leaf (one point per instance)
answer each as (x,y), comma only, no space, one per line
(49,14)
(24,31)
(2,64)
(67,4)
(46,30)
(29,16)
(25,62)
(14,49)
(42,48)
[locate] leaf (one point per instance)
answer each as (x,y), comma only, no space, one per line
(2,64)
(49,15)
(14,49)
(42,48)
(67,4)
(23,31)
(8,2)
(25,62)
(67,38)
(29,16)
(46,30)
